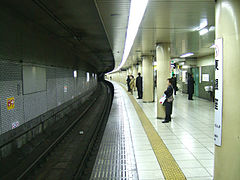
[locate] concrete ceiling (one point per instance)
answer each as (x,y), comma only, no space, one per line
(76,23)
(170,21)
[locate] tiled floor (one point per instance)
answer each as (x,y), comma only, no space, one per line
(189,137)
(147,164)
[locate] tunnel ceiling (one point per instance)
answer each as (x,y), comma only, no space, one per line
(76,23)
(168,21)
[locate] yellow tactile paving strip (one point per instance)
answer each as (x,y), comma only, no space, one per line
(170,168)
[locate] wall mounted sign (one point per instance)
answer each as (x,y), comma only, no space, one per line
(205,77)
(15,124)
(65,89)
(218,91)
(10,103)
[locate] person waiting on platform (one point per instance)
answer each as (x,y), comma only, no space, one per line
(132,84)
(174,84)
(169,101)
(139,86)
(128,82)
(190,87)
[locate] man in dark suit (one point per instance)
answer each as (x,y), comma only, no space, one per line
(139,86)
(174,84)
(190,87)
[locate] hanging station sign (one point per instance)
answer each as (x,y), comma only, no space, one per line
(218,91)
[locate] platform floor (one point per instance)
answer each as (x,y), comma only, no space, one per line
(189,139)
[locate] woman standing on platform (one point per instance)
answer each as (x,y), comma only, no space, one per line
(132,84)
(169,101)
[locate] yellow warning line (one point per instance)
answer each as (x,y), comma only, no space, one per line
(170,168)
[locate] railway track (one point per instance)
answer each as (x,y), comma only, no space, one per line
(72,153)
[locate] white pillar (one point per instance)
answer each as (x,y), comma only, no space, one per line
(163,73)
(147,79)
(227,159)
(134,71)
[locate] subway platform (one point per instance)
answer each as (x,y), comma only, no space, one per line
(137,145)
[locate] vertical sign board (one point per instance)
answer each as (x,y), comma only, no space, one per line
(218,91)
(65,89)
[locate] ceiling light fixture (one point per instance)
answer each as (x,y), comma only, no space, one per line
(185,67)
(154,63)
(203,31)
(137,10)
(212,46)
(203,24)
(212,28)
(186,55)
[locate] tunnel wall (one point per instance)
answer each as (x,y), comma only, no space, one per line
(61,87)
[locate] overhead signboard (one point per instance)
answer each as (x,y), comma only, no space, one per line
(218,91)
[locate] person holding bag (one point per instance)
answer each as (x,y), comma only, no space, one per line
(169,101)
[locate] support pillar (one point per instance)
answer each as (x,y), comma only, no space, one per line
(147,79)
(124,77)
(163,73)
(135,71)
(130,71)
(227,159)
(140,68)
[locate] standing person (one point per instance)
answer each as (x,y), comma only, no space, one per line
(169,101)
(132,84)
(174,84)
(190,86)
(128,82)
(139,86)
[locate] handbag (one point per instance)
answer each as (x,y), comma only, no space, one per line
(162,99)
(170,99)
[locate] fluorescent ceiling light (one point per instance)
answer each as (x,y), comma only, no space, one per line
(154,63)
(212,28)
(137,10)
(185,66)
(212,46)
(177,59)
(202,25)
(203,31)
(186,55)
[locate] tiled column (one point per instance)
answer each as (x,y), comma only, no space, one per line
(130,71)
(117,76)
(147,79)
(135,71)
(163,72)
(124,77)
(140,68)
(227,159)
